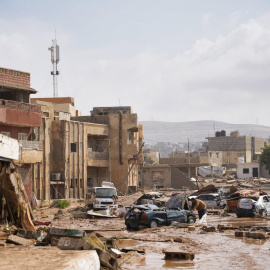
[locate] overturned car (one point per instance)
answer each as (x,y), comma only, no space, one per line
(151,216)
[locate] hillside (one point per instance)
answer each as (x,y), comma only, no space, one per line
(155,131)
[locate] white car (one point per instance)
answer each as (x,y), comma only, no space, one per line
(248,207)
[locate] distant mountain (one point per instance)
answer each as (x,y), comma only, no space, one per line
(155,131)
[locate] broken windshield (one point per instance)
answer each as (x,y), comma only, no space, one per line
(105,192)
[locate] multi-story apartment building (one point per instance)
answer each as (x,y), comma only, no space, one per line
(227,150)
(81,152)
(125,141)
(18,119)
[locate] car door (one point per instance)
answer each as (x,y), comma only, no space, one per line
(212,201)
(266,202)
(176,215)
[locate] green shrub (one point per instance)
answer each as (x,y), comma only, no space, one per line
(63,204)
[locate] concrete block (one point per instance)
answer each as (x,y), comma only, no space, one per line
(19,240)
(178,240)
(106,259)
(174,255)
(66,232)
(240,234)
(116,253)
(209,229)
(68,243)
(28,234)
(256,235)
(220,227)
(89,261)
(191,228)
(111,243)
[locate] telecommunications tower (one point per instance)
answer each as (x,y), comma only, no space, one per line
(55,60)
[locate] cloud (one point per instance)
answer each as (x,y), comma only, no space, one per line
(226,78)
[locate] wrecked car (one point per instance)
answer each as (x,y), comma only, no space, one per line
(249,207)
(151,216)
(211,200)
(157,198)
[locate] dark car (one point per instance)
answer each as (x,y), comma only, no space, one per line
(151,216)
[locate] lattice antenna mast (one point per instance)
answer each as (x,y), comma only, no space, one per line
(55,60)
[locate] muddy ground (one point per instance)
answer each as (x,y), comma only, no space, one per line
(213,250)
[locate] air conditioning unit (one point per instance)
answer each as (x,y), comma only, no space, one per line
(56,177)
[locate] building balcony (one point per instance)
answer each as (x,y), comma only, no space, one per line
(131,150)
(31,152)
(19,113)
(97,159)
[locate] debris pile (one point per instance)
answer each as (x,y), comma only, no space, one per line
(14,204)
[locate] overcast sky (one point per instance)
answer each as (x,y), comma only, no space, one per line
(171,60)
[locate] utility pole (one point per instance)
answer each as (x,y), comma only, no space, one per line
(188,160)
(55,60)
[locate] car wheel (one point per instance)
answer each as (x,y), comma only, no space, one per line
(238,215)
(190,220)
(153,224)
(128,227)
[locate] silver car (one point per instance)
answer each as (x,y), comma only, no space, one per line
(249,207)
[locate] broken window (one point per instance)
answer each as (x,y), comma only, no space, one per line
(245,170)
(217,153)
(73,147)
(210,154)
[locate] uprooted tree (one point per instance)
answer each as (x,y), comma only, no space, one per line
(264,157)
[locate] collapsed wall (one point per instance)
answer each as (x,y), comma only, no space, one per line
(14,204)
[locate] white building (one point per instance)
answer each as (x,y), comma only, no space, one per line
(246,170)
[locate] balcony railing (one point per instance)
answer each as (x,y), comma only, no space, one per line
(97,155)
(33,145)
(15,105)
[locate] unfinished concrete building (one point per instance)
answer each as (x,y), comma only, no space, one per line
(230,148)
(125,141)
(165,176)
(18,119)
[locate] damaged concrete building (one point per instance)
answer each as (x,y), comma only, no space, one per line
(63,154)
(83,151)
(121,146)
(18,118)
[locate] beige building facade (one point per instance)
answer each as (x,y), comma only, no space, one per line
(80,152)
(125,140)
(228,149)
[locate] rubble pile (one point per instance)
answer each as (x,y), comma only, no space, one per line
(14,204)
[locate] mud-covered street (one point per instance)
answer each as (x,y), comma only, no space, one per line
(143,249)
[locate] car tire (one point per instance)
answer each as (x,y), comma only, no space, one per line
(263,213)
(190,220)
(128,227)
(153,224)
(238,215)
